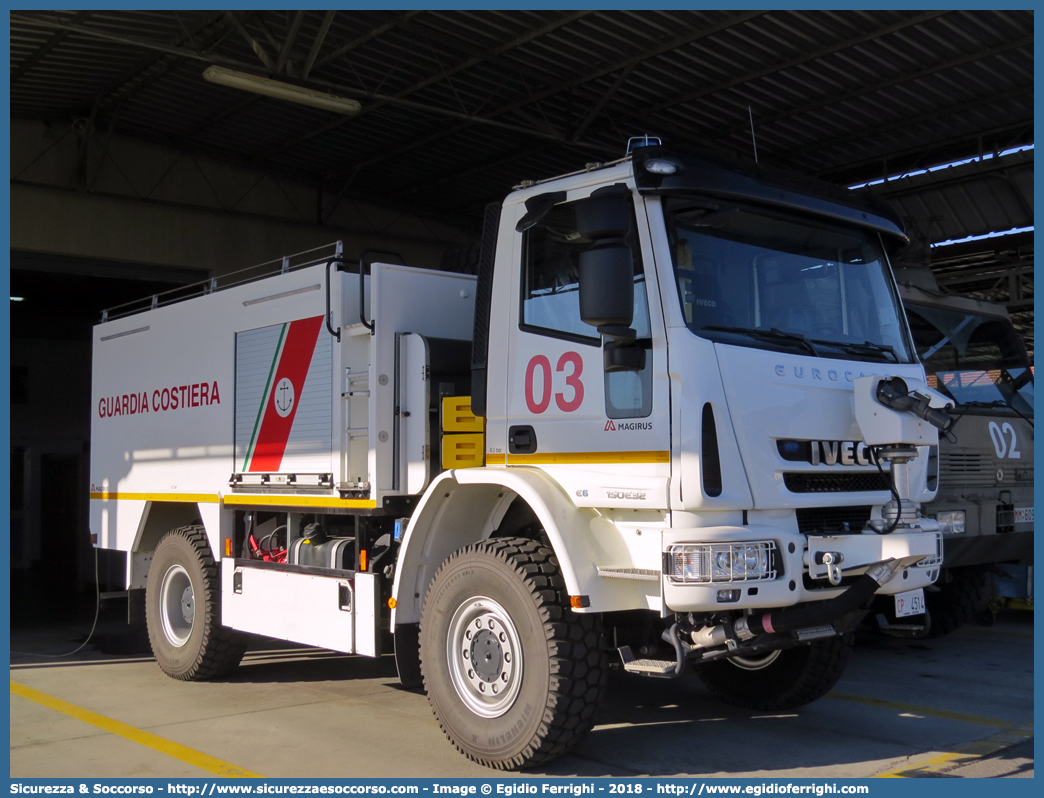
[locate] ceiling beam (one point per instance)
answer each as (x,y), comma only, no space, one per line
(687,38)
(317,43)
(865,89)
(429,81)
(377,32)
(291,38)
(803,58)
(46,48)
(870,132)
(902,187)
(164,65)
(235,63)
(968,145)
(596,109)
(255,45)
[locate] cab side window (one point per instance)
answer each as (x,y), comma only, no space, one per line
(550,299)
(551,279)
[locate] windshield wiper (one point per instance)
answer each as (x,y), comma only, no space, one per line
(769,335)
(867,347)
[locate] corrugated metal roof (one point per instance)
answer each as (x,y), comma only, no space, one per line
(458,105)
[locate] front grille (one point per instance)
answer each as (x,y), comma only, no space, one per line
(960,470)
(964,469)
(832,520)
(803,482)
(964,463)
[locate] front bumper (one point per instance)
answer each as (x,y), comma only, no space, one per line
(798,577)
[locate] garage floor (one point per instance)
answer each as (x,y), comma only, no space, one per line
(961,706)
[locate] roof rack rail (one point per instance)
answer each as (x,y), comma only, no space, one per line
(281,265)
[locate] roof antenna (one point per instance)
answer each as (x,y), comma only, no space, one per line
(753,140)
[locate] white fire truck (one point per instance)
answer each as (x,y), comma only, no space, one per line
(649,427)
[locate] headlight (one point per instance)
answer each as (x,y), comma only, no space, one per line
(951,521)
(721,562)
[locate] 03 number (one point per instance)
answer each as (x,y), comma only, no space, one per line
(573,385)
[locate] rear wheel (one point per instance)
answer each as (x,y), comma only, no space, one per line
(183,610)
(778,680)
(512,674)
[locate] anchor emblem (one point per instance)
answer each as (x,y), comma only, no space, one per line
(283,397)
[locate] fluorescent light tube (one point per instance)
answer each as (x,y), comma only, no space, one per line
(281,91)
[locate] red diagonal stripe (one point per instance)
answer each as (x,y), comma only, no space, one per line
(293,365)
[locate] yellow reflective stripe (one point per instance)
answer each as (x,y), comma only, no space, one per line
(202,498)
(300,501)
(578,458)
(170,748)
(213,498)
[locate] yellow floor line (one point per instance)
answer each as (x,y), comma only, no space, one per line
(929,711)
(181,752)
(942,763)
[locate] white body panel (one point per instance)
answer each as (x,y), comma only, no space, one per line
(170,423)
(182,448)
(558,387)
(302,608)
(776,396)
(405,300)
(414,432)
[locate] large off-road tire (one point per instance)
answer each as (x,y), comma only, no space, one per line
(183,610)
(963,594)
(512,674)
(780,680)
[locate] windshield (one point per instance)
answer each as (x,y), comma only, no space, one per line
(972,358)
(762,278)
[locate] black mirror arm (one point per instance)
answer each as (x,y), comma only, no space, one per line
(618,333)
(538,207)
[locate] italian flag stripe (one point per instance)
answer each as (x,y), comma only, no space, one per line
(281,402)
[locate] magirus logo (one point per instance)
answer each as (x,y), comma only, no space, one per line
(626,426)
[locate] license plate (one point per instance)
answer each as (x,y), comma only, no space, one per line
(1023,515)
(909,603)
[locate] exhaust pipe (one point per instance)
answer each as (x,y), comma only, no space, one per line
(788,620)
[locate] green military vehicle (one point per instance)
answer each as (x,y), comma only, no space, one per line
(984,467)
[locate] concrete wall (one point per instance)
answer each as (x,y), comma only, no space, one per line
(83,193)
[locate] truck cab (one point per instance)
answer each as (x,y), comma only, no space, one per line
(680,364)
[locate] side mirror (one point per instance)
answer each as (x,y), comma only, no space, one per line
(607,285)
(618,356)
(606,267)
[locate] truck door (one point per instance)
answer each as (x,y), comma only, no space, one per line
(603,436)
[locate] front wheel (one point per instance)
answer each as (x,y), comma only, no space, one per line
(512,674)
(183,610)
(783,679)
(963,593)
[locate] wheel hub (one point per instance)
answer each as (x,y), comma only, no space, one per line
(177,608)
(188,606)
(485,657)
